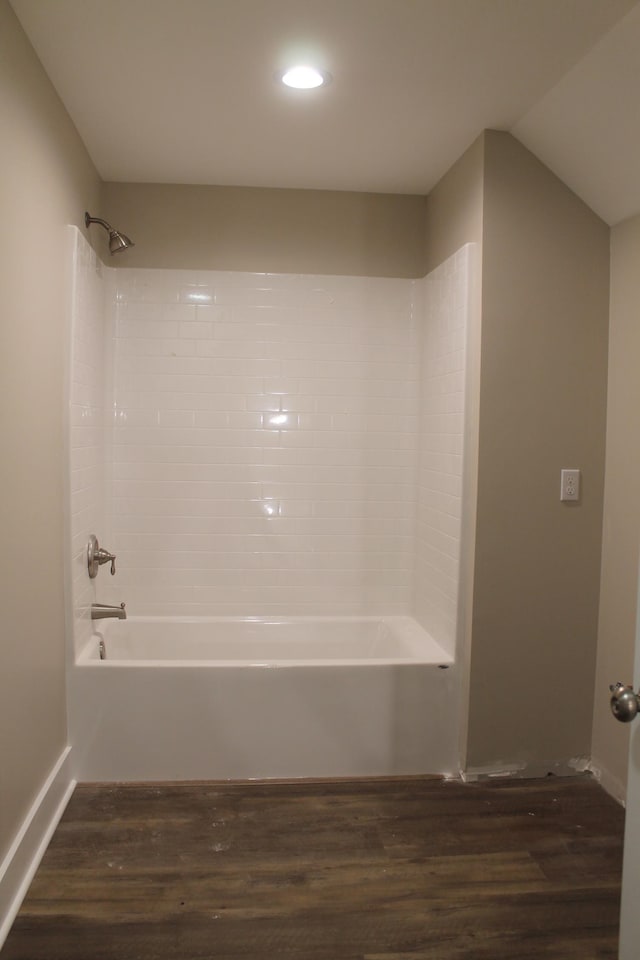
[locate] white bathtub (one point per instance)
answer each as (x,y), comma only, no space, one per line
(221,698)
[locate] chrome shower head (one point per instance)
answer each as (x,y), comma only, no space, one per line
(117,241)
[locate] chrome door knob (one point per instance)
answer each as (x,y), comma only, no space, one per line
(624,702)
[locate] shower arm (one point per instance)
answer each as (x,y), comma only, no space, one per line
(103,223)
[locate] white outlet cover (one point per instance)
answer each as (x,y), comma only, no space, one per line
(570,485)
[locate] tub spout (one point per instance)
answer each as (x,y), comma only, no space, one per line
(100,611)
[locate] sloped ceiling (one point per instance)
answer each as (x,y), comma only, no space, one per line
(183,91)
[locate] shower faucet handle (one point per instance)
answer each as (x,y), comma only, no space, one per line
(104,556)
(96,556)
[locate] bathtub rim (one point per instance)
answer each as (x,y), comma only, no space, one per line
(437,657)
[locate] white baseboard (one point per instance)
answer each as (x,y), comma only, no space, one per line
(613,786)
(25,853)
(499,769)
(490,772)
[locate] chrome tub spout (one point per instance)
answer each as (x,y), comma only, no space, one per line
(101,611)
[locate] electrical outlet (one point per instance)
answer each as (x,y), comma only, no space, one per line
(569,484)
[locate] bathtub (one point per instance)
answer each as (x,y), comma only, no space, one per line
(260,698)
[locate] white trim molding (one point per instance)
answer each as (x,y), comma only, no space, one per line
(613,786)
(25,853)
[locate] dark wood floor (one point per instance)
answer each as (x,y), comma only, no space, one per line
(374,870)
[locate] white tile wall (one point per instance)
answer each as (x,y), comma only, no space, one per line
(263,438)
(86,429)
(265,435)
(445,297)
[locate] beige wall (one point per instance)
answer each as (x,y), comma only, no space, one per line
(277,231)
(621,526)
(545,296)
(454,207)
(46,179)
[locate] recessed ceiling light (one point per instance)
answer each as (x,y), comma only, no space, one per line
(304,78)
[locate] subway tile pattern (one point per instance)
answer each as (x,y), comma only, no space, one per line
(249,444)
(265,446)
(87,449)
(444,298)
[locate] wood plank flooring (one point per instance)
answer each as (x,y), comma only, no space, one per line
(415,869)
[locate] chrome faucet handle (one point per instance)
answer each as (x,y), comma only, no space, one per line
(96,556)
(104,556)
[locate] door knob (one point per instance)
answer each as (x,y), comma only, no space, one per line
(624,702)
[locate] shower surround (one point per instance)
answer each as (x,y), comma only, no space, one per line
(261,445)
(264,443)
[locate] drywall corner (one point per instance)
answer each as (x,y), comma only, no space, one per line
(454,207)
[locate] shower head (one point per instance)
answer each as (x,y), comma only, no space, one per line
(117,241)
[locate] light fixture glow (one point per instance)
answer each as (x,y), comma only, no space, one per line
(304,78)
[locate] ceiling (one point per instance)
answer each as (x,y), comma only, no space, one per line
(183,91)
